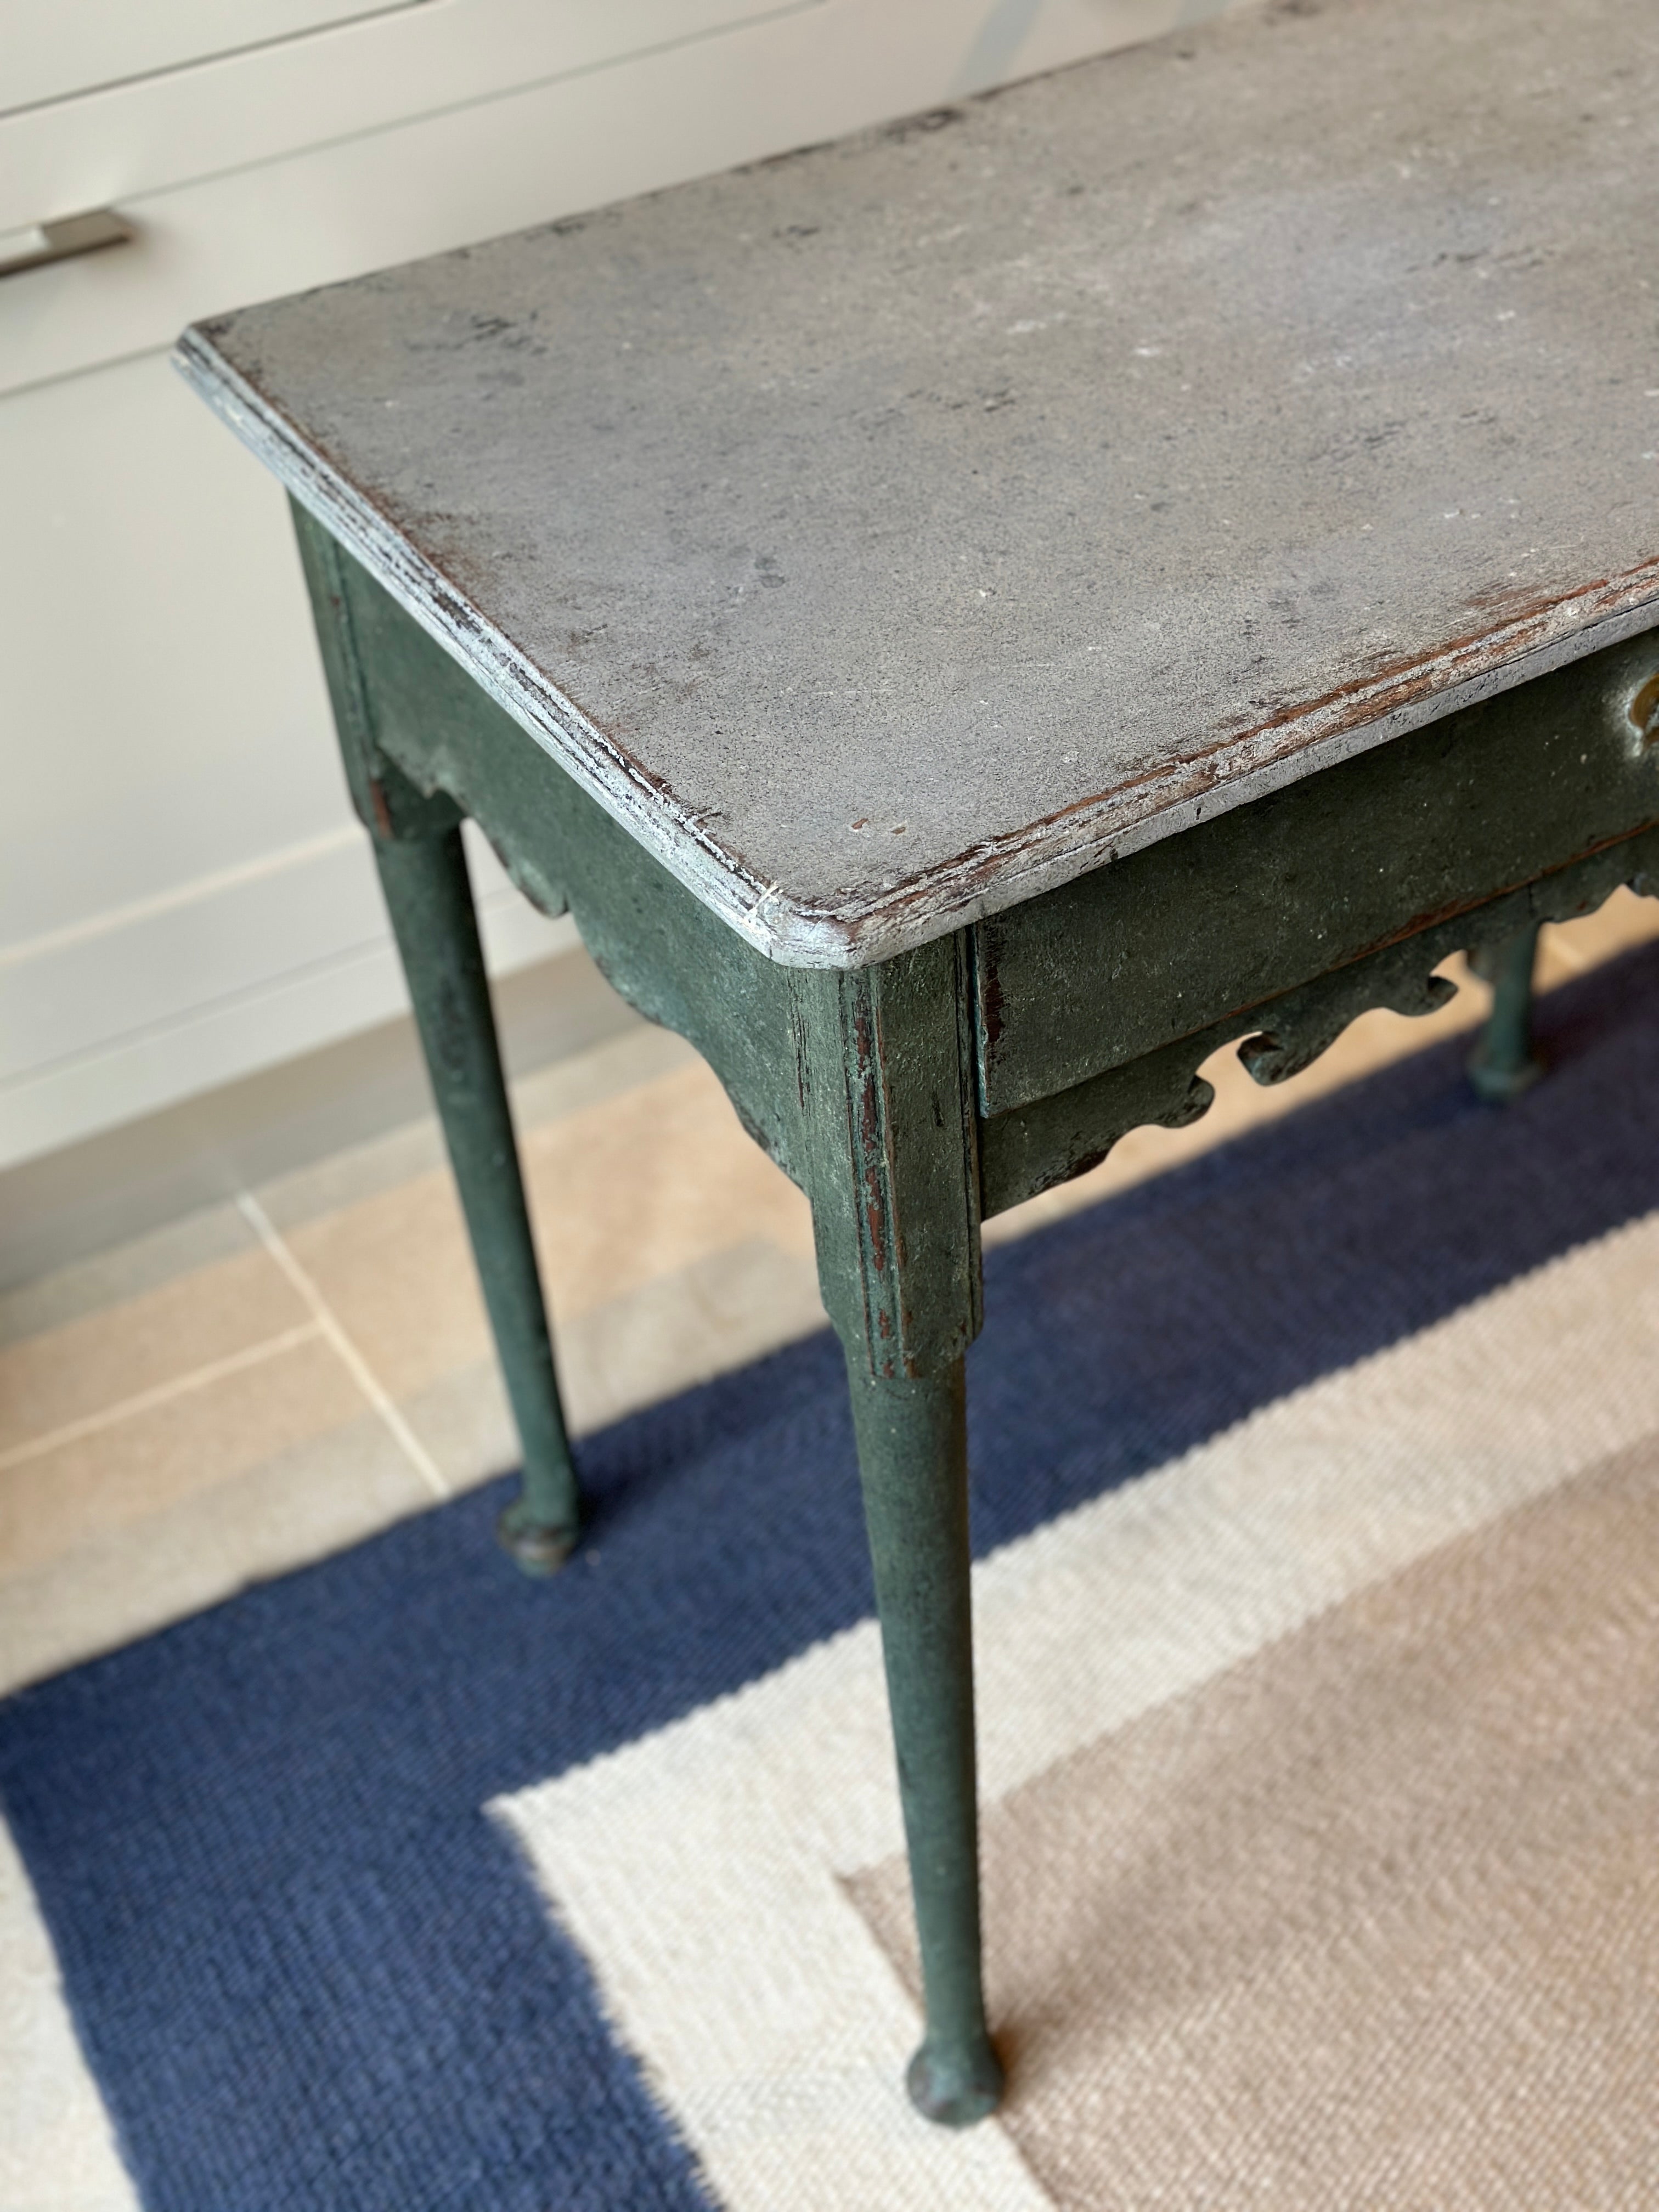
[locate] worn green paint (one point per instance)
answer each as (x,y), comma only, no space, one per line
(913,1455)
(416,841)
(1052,1139)
(661,948)
(1503,1063)
(431,901)
(912,1098)
(885,1082)
(885,1086)
(1245,907)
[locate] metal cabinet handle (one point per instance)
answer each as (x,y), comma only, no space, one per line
(59,241)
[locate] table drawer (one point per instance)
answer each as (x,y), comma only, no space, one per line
(1257,901)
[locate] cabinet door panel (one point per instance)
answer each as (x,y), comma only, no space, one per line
(57,48)
(386,65)
(595,129)
(184,893)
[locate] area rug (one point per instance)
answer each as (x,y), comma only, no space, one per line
(1316,1498)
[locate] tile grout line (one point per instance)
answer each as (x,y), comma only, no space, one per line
(329,1326)
(143,1401)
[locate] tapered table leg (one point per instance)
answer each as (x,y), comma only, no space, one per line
(884,1074)
(430,900)
(417,840)
(913,1460)
(1503,1063)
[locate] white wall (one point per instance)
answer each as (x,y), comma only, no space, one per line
(184,897)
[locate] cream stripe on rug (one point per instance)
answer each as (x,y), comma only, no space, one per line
(707,1871)
(1372,1918)
(57,2148)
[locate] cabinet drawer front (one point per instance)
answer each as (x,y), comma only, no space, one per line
(441,124)
(57,48)
(384,66)
(1257,901)
(370,201)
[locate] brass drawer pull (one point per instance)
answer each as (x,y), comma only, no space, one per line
(61,240)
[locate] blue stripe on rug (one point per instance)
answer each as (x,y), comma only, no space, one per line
(306,1968)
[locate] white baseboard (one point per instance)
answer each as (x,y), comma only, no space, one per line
(135,1010)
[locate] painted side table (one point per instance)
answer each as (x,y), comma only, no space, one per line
(972,618)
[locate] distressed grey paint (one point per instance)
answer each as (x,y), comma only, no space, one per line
(891,532)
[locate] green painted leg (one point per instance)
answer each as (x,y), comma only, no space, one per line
(912,1444)
(1503,1063)
(430,900)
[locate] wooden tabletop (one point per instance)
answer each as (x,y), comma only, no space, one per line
(889,532)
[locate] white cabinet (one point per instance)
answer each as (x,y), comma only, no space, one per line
(55,49)
(183,896)
(396,135)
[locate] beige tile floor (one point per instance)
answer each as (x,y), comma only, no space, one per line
(281,1375)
